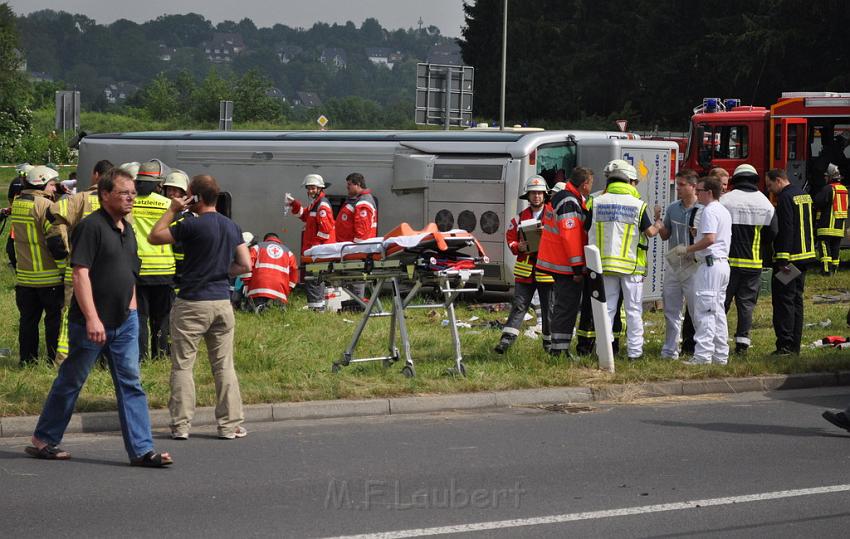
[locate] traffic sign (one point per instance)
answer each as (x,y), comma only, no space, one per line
(622,125)
(322,121)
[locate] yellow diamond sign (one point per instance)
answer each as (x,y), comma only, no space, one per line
(323,120)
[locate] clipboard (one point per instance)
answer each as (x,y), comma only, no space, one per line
(786,277)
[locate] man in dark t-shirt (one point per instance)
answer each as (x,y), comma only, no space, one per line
(102,318)
(213,249)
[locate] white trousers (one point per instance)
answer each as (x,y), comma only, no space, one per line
(632,288)
(709,314)
(677,287)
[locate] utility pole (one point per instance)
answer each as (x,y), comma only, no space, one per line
(504,66)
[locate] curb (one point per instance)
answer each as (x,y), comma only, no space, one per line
(90,422)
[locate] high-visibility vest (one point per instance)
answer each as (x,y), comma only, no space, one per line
(358,218)
(615,229)
(273,268)
(157,260)
(831,221)
(31,220)
(70,211)
(751,211)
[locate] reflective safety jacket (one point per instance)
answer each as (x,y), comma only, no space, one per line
(31,221)
(618,220)
(273,268)
(830,206)
(318,223)
(524,271)
(795,240)
(69,211)
(752,216)
(157,260)
(358,218)
(564,234)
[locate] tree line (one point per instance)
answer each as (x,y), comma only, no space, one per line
(651,61)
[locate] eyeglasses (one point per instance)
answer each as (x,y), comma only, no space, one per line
(125,194)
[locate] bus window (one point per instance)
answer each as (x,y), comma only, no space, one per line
(554,158)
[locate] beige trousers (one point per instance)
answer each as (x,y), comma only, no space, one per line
(215,322)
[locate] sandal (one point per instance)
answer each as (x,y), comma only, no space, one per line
(48,452)
(152,459)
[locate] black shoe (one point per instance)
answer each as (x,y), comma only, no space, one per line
(501,348)
(839,419)
(558,354)
(741,349)
(781,352)
(584,350)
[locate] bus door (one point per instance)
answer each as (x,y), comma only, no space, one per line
(789,148)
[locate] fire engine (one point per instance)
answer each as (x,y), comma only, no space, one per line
(802,132)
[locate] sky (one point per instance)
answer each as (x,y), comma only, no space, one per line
(447,15)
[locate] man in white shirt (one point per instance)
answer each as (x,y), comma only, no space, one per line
(707,296)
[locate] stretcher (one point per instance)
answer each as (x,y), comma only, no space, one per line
(446,261)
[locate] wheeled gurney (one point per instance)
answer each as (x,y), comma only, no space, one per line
(426,258)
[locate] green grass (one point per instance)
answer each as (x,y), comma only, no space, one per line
(287,356)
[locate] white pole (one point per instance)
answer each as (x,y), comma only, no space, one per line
(504,66)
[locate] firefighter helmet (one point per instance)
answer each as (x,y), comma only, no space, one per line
(23,169)
(832,172)
(620,169)
(39,176)
(177,178)
(745,172)
(534,183)
(152,171)
(557,188)
(247,237)
(314,180)
(131,168)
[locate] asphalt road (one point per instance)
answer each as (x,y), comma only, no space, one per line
(760,466)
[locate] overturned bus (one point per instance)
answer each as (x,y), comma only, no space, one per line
(458,179)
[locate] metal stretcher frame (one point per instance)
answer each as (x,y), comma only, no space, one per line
(388,270)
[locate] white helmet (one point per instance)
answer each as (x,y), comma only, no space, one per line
(621,169)
(247,237)
(534,183)
(558,187)
(177,178)
(131,168)
(23,169)
(314,180)
(40,175)
(832,172)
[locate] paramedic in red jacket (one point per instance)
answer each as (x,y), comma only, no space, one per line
(358,218)
(274,271)
(528,281)
(318,220)
(562,255)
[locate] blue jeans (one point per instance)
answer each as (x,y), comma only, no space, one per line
(122,352)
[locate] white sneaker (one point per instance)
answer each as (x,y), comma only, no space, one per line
(239,432)
(176,435)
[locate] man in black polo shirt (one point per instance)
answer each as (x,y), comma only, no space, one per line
(102,318)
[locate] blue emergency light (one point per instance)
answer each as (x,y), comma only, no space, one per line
(730,104)
(710,104)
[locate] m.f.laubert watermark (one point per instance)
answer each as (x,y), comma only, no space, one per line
(382,494)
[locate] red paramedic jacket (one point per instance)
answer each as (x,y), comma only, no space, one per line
(564,236)
(318,223)
(358,218)
(524,266)
(273,269)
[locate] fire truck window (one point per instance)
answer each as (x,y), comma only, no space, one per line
(554,157)
(725,142)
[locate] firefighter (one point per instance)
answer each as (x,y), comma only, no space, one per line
(155,284)
(70,211)
(793,247)
(707,294)
(15,188)
(527,280)
(619,228)
(40,264)
(176,185)
(753,224)
(562,255)
(358,218)
(678,278)
(274,271)
(319,229)
(830,206)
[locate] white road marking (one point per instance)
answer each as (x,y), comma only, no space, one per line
(592,515)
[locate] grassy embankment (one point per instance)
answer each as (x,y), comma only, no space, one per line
(287,356)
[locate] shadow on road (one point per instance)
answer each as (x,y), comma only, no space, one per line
(14,455)
(748,428)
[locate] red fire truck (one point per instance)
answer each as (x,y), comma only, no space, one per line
(802,132)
